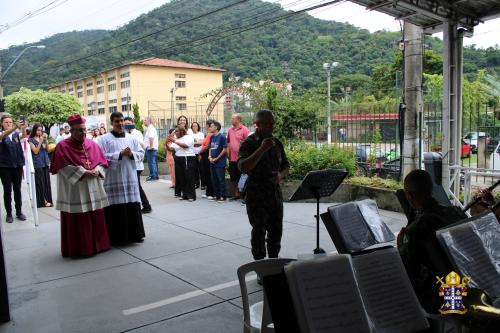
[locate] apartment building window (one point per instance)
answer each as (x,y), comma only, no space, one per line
(112,109)
(125,107)
(79,87)
(180,84)
(89,84)
(124,75)
(90,112)
(100,111)
(125,84)
(180,106)
(90,92)
(62,91)
(180,76)
(112,101)
(100,90)
(124,99)
(100,103)
(98,82)
(180,98)
(112,87)
(111,78)
(80,94)
(71,89)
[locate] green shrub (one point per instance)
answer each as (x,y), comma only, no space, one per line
(161,151)
(305,158)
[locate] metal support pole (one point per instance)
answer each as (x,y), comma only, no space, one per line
(329,112)
(413,96)
(452,69)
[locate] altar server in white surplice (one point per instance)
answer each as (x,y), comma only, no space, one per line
(123,216)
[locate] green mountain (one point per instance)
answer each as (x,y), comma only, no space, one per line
(293,49)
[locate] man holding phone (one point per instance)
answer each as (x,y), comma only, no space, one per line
(11,164)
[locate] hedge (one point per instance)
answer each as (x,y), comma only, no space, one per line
(305,158)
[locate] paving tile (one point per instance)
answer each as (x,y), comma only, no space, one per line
(220,318)
(95,302)
(37,265)
(210,266)
(167,239)
(298,240)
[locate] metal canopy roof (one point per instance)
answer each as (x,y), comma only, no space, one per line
(430,14)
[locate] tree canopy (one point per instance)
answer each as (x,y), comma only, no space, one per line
(39,106)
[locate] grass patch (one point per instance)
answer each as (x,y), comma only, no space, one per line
(388,184)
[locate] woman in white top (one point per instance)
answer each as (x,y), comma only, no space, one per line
(198,140)
(184,163)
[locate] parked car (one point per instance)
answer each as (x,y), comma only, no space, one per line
(471,139)
(367,167)
(495,158)
(390,169)
(492,144)
(466,150)
(365,151)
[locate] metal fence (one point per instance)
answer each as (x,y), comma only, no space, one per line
(164,114)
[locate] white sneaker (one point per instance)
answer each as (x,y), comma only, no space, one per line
(210,198)
(203,195)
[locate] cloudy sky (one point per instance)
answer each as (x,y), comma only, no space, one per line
(54,16)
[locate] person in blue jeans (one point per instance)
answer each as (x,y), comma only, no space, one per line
(151,148)
(217,158)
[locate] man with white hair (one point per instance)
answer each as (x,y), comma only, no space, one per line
(151,148)
(79,164)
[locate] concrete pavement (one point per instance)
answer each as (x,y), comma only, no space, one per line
(181,279)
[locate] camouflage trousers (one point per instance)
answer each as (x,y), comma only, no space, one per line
(267,227)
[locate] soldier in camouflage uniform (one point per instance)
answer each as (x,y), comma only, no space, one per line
(423,257)
(263,158)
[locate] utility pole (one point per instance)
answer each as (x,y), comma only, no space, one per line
(172,90)
(1,88)
(413,69)
(328,68)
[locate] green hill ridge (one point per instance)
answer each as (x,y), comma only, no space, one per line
(293,49)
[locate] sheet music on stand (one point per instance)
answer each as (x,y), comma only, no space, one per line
(318,184)
(355,226)
(473,247)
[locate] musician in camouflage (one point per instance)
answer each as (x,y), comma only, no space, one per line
(263,158)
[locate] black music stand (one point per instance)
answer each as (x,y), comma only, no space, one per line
(318,184)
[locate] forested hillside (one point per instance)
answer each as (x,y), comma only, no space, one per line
(293,49)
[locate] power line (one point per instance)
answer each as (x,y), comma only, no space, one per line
(210,38)
(145,36)
(206,39)
(51,5)
(163,30)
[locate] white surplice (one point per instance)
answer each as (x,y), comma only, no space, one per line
(90,195)
(121,182)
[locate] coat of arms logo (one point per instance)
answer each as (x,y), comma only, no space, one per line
(453,290)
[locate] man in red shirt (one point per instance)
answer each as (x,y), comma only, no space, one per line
(235,136)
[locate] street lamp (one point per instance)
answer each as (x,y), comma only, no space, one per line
(328,68)
(172,91)
(2,76)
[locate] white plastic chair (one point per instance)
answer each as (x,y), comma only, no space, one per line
(257,318)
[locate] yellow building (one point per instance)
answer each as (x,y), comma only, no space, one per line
(163,89)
